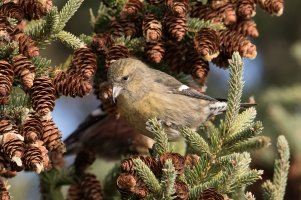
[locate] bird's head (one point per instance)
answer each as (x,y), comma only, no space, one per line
(126,76)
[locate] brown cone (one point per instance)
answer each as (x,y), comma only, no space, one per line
(222,60)
(175,55)
(131,27)
(127,165)
(46,161)
(155,51)
(176,26)
(210,194)
(232,41)
(116,52)
(101,43)
(32,129)
(246,28)
(24,69)
(52,136)
(27,46)
(178,7)
(5,167)
(33,159)
(6,81)
(273,7)
(91,188)
(83,160)
(43,95)
(57,159)
(151,28)
(12,10)
(129,185)
(83,63)
(4,194)
(182,191)
(131,8)
(74,192)
(207,43)
(191,160)
(177,160)
(6,29)
(246,8)
(35,9)
(116,30)
(6,126)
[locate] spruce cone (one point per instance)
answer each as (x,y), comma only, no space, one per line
(6,81)
(6,126)
(91,188)
(206,43)
(46,161)
(4,194)
(176,26)
(177,160)
(12,10)
(35,9)
(27,46)
(116,52)
(178,7)
(131,27)
(6,30)
(127,165)
(101,43)
(52,136)
(57,159)
(210,194)
(32,129)
(129,185)
(83,160)
(182,191)
(232,41)
(131,8)
(155,51)
(151,28)
(116,30)
(222,60)
(273,7)
(175,56)
(25,70)
(70,85)
(191,160)
(5,167)
(246,28)
(246,8)
(83,63)
(74,192)
(42,95)
(33,159)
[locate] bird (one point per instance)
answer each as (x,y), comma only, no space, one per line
(142,93)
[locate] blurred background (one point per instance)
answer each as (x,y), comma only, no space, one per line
(273,79)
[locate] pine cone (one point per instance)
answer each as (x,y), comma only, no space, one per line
(127,165)
(222,60)
(91,188)
(74,192)
(155,51)
(12,10)
(175,55)
(191,160)
(246,28)
(176,26)
(131,8)
(27,46)
(4,194)
(101,43)
(6,126)
(131,27)
(83,160)
(57,159)
(273,7)
(129,185)
(151,28)
(33,159)
(5,167)
(32,129)
(83,63)
(24,69)
(232,41)
(207,43)
(52,136)
(35,9)
(116,52)
(210,194)
(116,30)
(177,160)
(6,30)
(246,8)
(42,95)
(178,7)
(44,152)
(182,191)
(6,81)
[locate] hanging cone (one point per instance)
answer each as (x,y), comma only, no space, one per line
(182,191)
(6,126)
(33,159)
(83,160)
(74,192)
(175,55)
(35,9)
(25,70)
(42,95)
(101,43)
(178,7)
(32,128)
(222,60)
(83,63)
(207,43)
(129,185)
(27,46)
(151,28)
(127,165)
(116,52)
(6,81)
(91,188)
(176,26)
(131,8)
(5,167)
(46,161)
(210,194)
(246,8)
(12,10)
(155,51)
(115,29)
(4,194)
(57,159)
(273,7)
(131,27)
(6,29)
(246,28)
(178,161)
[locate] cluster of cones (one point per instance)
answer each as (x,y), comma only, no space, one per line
(130,184)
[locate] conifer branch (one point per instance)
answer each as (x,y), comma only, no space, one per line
(168,180)
(69,39)
(251,144)
(42,64)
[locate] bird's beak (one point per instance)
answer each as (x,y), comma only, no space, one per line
(116,91)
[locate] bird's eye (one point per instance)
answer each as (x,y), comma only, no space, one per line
(125,78)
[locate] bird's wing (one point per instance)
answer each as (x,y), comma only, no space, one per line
(176,87)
